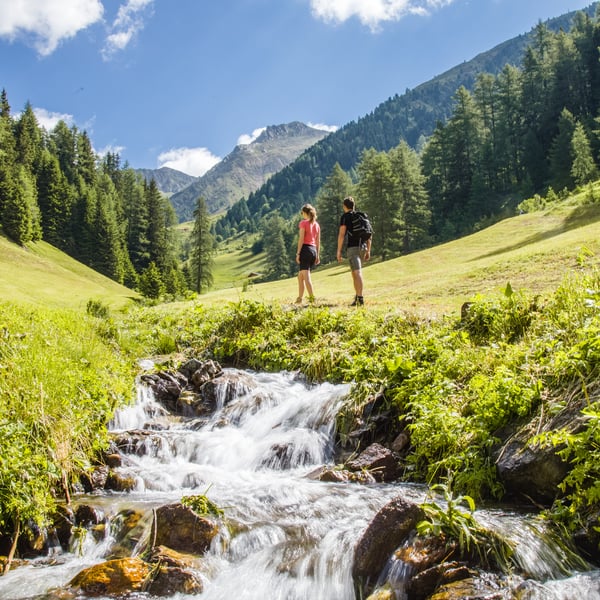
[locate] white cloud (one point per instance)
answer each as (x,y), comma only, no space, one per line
(112,149)
(46,23)
(48,120)
(127,24)
(323,127)
(372,12)
(246,138)
(193,161)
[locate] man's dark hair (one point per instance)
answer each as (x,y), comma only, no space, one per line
(349,202)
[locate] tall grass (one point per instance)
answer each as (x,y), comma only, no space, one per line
(61,377)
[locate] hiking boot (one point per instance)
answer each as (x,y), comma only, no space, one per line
(311,299)
(358,301)
(299,300)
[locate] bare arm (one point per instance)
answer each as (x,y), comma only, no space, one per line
(340,243)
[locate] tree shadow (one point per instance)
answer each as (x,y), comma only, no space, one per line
(580,216)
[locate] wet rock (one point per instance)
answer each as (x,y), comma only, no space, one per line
(113,577)
(471,589)
(425,583)
(390,527)
(95,479)
(179,528)
(226,387)
(128,528)
(533,471)
(63,522)
(205,372)
(168,581)
(384,593)
(377,460)
(401,442)
(329,474)
(86,515)
(120,483)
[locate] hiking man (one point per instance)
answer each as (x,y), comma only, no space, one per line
(358,249)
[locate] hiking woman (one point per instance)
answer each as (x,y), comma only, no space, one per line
(307,255)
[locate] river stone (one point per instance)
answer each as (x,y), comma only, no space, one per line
(378,460)
(207,371)
(228,386)
(389,528)
(473,589)
(168,581)
(113,577)
(178,527)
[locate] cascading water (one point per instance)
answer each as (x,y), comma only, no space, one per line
(294,536)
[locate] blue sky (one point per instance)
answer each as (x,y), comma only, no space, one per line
(179,83)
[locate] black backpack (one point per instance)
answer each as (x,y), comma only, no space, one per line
(361,226)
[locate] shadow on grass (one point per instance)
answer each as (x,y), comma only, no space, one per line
(580,216)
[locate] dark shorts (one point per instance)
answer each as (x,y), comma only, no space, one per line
(308,257)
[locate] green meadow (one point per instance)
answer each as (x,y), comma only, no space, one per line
(533,252)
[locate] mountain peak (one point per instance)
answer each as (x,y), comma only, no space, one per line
(246,168)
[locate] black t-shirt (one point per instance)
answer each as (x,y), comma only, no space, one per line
(346,220)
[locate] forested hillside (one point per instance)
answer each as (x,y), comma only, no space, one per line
(412,117)
(528,131)
(53,187)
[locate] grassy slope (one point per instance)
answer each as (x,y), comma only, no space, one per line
(533,252)
(41,274)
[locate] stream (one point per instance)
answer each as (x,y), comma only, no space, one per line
(294,536)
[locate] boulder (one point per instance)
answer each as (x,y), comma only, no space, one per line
(228,386)
(178,527)
(113,577)
(377,460)
(390,527)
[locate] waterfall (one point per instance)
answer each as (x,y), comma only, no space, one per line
(294,536)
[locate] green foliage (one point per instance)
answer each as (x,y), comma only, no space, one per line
(59,382)
(460,525)
(203,506)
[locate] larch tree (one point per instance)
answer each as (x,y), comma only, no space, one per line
(329,209)
(202,245)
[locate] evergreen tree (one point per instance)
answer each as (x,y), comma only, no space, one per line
(410,193)
(158,243)
(55,201)
(202,249)
(561,153)
(7,154)
(583,169)
(329,209)
(109,257)
(86,159)
(375,189)
(136,218)
(150,282)
(16,220)
(509,130)
(277,255)
(28,139)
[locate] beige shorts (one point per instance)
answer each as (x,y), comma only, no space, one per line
(356,254)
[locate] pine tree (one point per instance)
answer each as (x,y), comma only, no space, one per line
(28,139)
(561,153)
(329,209)
(202,249)
(55,199)
(277,256)
(410,193)
(375,190)
(583,169)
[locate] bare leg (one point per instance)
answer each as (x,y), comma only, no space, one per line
(300,286)
(308,284)
(358,282)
